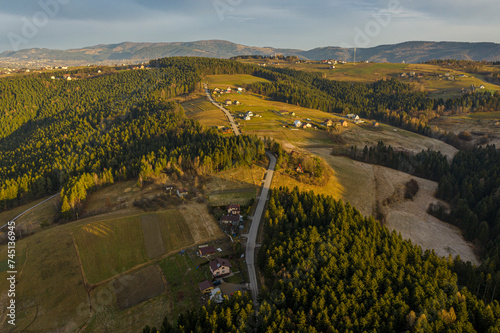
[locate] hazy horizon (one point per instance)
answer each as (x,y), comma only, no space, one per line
(69,24)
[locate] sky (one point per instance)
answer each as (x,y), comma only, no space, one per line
(66,24)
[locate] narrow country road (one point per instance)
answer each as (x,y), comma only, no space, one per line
(259,211)
(235,128)
(31,208)
(254,228)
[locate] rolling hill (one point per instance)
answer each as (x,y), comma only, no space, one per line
(410,52)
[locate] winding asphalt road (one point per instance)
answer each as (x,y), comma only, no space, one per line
(235,128)
(254,228)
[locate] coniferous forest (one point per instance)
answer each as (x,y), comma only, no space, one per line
(86,133)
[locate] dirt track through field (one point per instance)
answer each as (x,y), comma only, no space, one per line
(153,240)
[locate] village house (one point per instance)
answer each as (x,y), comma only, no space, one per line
(228,102)
(206,287)
(343,123)
(237,103)
(230,219)
(353,116)
(233,209)
(375,124)
(308,125)
(249,114)
(204,251)
(228,90)
(297,123)
(220,267)
(247,118)
(328,122)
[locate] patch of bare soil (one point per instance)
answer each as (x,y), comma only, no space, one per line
(201,223)
(138,287)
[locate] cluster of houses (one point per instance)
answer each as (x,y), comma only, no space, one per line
(412,74)
(229,90)
(229,102)
(247,115)
(233,216)
(219,267)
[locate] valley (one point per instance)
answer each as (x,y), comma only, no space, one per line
(149,188)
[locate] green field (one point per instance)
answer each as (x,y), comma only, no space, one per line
(111,247)
(206,113)
(108,248)
(182,280)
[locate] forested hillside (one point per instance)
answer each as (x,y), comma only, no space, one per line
(329,269)
(118,124)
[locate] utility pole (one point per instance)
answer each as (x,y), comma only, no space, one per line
(354,56)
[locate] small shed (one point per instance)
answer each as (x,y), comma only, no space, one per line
(204,251)
(206,287)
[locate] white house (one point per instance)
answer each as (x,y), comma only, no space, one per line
(297,123)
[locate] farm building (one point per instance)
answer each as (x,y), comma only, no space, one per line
(297,123)
(220,267)
(206,287)
(206,250)
(233,209)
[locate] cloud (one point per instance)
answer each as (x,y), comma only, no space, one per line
(280,23)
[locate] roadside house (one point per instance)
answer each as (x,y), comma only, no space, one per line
(206,287)
(233,209)
(230,219)
(220,267)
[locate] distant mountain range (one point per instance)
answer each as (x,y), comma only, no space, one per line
(128,52)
